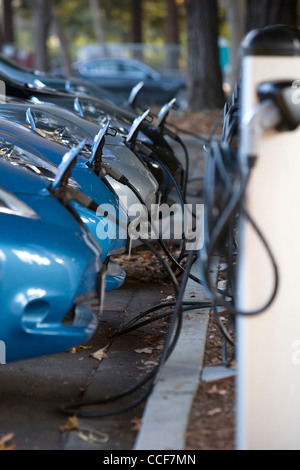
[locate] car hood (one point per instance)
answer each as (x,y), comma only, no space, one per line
(15,181)
(32,142)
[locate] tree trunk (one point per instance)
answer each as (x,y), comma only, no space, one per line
(172,36)
(1,37)
(289,13)
(137,19)
(205,89)
(8,28)
(261,13)
(41,25)
(97,23)
(67,60)
(137,28)
(8,38)
(236,15)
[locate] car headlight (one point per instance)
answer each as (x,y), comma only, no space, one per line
(23,158)
(56,130)
(90,110)
(12,205)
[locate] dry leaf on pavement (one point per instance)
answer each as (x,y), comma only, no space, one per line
(136,424)
(216,390)
(143,351)
(5,442)
(100,354)
(214,412)
(71,424)
(72,350)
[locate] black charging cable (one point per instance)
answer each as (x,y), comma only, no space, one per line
(217,230)
(71,409)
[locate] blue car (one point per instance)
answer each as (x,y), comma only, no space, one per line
(23,147)
(50,267)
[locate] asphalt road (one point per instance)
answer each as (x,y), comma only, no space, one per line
(32,391)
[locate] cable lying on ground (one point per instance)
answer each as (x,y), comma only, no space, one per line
(71,409)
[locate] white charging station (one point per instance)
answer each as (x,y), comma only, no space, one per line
(268,345)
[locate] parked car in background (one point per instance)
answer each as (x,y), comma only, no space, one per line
(35,78)
(121,75)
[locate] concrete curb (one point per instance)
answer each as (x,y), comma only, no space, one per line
(166,414)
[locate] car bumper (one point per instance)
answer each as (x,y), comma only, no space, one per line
(45,276)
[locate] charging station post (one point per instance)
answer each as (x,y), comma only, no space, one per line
(268,344)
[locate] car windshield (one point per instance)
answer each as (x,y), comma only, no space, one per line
(115,67)
(139,71)
(10,64)
(102,67)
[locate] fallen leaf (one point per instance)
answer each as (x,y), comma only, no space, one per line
(84,347)
(143,351)
(214,411)
(5,442)
(101,354)
(170,297)
(136,424)
(71,424)
(72,351)
(217,391)
(214,389)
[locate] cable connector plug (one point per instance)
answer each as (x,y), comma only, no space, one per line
(107,170)
(170,134)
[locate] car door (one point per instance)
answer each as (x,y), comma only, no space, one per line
(152,90)
(106,74)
